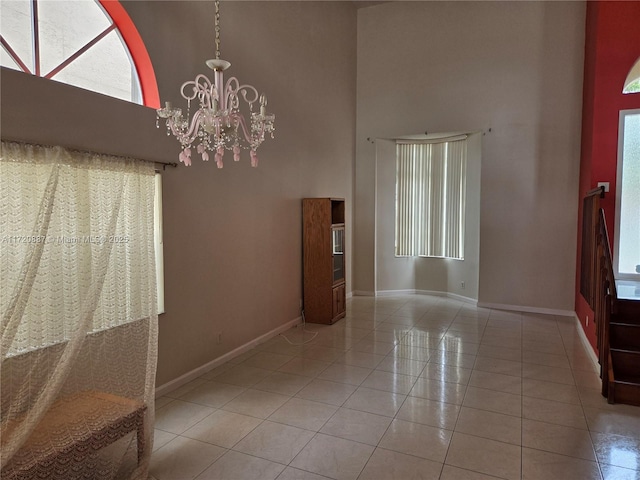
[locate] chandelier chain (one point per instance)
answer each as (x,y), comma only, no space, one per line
(217,28)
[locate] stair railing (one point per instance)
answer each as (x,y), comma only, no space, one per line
(605,303)
(597,283)
(589,260)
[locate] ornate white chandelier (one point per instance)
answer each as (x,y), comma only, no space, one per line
(218,124)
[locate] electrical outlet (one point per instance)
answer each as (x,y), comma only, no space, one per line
(462,285)
(587,321)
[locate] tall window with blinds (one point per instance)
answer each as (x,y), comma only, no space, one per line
(430,199)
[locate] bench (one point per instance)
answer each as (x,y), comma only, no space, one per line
(74,427)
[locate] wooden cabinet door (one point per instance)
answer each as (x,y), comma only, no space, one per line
(339,301)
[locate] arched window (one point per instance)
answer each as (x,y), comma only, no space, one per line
(632,83)
(90,44)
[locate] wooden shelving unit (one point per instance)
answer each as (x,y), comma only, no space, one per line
(323,242)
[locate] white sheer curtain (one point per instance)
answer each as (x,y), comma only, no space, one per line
(78,314)
(430,199)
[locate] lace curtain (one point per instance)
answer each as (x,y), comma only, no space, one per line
(78,314)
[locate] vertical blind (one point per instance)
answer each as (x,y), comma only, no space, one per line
(430,199)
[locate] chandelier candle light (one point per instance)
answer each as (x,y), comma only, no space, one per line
(218,124)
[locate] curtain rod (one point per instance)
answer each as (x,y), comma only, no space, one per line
(450,138)
(164,165)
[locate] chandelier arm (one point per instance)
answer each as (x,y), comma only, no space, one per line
(186,138)
(202,89)
(233,89)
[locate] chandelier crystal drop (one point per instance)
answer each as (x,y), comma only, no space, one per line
(218,124)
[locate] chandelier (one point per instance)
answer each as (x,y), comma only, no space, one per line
(218,124)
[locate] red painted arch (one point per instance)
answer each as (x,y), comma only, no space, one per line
(139,54)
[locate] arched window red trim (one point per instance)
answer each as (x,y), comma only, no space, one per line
(139,54)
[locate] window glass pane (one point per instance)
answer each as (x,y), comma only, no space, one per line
(7,61)
(65,27)
(629,237)
(632,83)
(633,87)
(104,68)
(15,25)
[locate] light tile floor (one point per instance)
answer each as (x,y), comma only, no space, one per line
(405,387)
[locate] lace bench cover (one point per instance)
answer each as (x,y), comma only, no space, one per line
(75,426)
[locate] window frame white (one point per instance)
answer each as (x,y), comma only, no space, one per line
(158,241)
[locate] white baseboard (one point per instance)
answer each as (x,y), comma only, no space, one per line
(585,342)
(525,309)
(386,293)
(389,293)
(462,298)
(363,293)
(193,374)
(473,301)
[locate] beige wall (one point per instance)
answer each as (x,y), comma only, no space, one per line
(514,68)
(232,237)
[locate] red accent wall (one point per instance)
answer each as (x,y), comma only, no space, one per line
(612,46)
